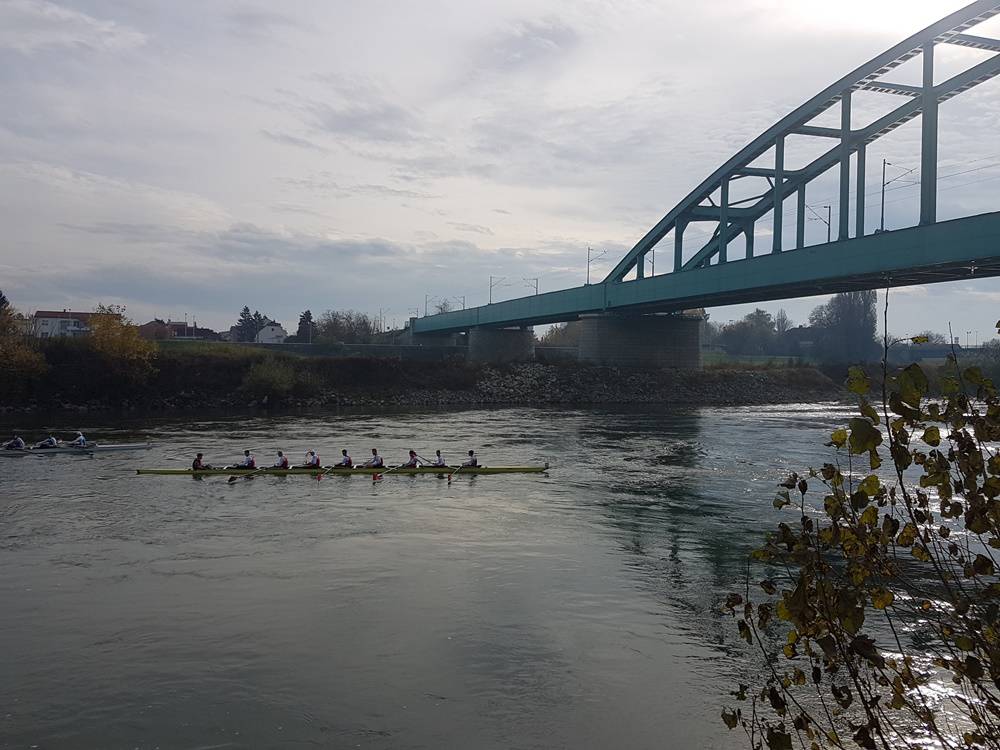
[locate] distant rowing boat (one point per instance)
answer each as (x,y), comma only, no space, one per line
(367,470)
(72,450)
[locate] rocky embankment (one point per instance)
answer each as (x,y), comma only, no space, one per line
(517,384)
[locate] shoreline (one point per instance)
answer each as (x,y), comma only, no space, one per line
(525,384)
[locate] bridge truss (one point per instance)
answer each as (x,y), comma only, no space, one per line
(930,252)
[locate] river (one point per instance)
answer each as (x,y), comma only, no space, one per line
(575,609)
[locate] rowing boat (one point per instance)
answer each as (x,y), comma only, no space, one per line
(367,470)
(72,450)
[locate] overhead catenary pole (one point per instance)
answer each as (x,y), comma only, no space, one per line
(882,221)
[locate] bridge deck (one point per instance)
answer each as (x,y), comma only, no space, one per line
(947,251)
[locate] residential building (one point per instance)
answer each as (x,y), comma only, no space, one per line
(272,333)
(50,324)
(160,330)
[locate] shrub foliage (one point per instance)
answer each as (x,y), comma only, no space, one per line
(885,585)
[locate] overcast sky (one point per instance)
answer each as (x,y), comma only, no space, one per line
(192,157)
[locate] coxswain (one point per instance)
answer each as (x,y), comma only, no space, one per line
(79,441)
(15,444)
(438,459)
(472,461)
(49,442)
(312,461)
(248,462)
(375,461)
(346,462)
(199,463)
(412,463)
(281,462)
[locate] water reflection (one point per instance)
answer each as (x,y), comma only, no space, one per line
(577,609)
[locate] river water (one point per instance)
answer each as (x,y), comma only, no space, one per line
(576,609)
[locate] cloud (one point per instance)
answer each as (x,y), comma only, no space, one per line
(255,23)
(291,140)
(29,26)
(526,44)
(474,228)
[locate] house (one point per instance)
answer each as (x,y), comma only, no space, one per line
(272,333)
(51,324)
(159,330)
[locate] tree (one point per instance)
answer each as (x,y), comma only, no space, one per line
(116,339)
(781,322)
(845,327)
(306,332)
(882,591)
(930,337)
(346,327)
(4,303)
(564,334)
(755,334)
(246,329)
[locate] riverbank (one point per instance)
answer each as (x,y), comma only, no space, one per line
(186,384)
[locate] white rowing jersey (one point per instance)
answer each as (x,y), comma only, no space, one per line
(346,461)
(313,460)
(80,441)
(439,461)
(249,462)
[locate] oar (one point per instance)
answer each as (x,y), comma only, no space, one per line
(254,473)
(378,475)
(454,473)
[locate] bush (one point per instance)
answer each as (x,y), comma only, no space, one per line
(271,380)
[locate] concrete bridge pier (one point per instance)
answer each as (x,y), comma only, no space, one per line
(499,345)
(642,340)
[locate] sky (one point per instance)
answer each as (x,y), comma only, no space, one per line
(190,158)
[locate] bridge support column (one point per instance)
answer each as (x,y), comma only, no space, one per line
(499,345)
(641,340)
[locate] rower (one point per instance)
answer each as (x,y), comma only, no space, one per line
(412,463)
(438,459)
(49,442)
(79,441)
(346,462)
(312,461)
(472,462)
(15,444)
(281,462)
(199,464)
(248,462)
(375,461)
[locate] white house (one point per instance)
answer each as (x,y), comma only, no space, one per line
(50,324)
(272,333)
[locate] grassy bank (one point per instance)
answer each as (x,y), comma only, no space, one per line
(231,376)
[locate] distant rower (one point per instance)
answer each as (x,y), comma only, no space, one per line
(281,462)
(472,461)
(199,464)
(346,462)
(16,444)
(49,442)
(375,461)
(312,460)
(79,441)
(248,462)
(438,459)
(413,461)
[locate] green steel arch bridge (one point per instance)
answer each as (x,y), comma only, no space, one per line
(929,252)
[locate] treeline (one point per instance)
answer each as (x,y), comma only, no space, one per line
(842,330)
